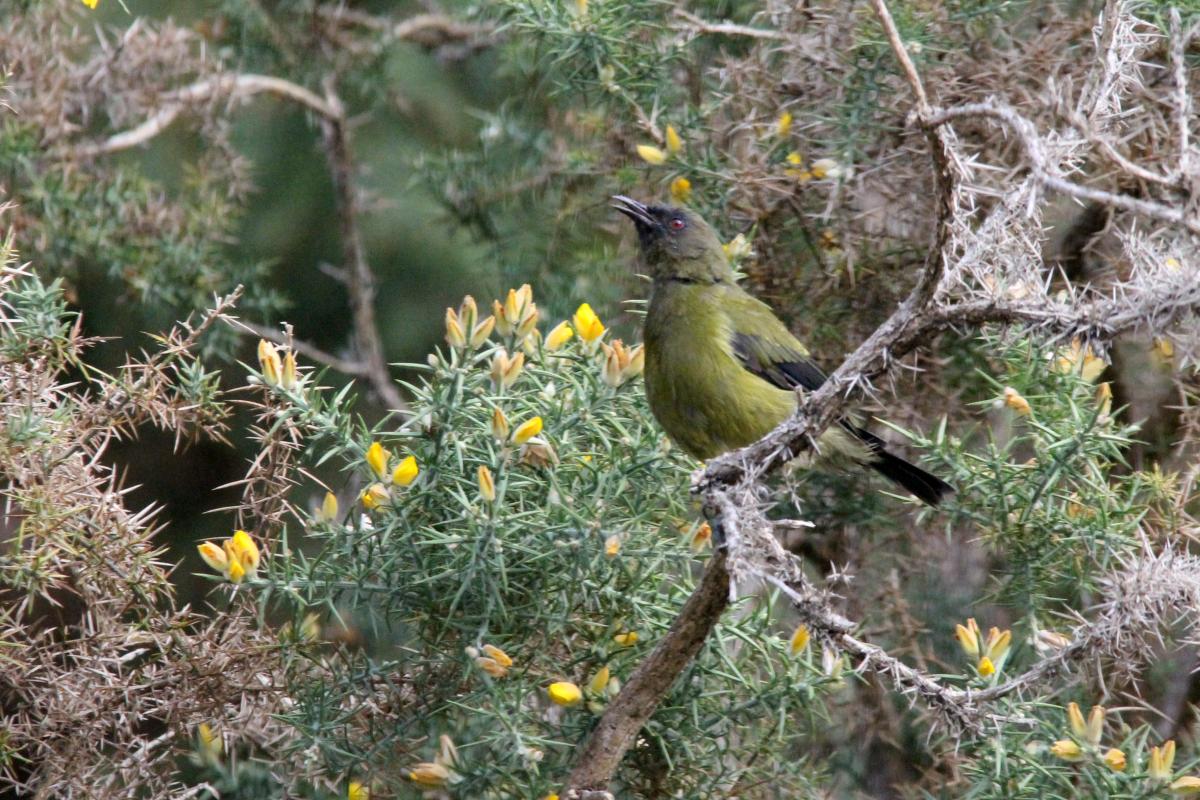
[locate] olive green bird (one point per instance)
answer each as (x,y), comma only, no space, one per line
(721,369)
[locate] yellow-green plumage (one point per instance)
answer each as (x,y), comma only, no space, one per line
(721,369)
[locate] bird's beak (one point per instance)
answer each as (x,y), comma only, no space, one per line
(638,212)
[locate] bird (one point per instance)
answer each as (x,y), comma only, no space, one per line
(721,369)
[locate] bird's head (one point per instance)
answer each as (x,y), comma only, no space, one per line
(676,243)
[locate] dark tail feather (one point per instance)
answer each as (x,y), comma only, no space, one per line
(929,489)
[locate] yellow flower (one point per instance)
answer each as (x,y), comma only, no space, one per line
(997,646)
(968,637)
(681,190)
(376,495)
(986,667)
(564,693)
(377,460)
(487,485)
(210,742)
(1014,400)
(527,430)
(455,336)
(288,379)
(674,143)
(429,774)
(599,681)
(1115,759)
(559,335)
(358,791)
(538,453)
(1081,359)
(738,248)
(214,556)
(505,370)
(1162,761)
(90,3)
(551,796)
(783,125)
(236,572)
(825,168)
(794,170)
(1188,786)
(628,639)
(800,639)
(246,551)
(1095,725)
(587,324)
(701,537)
(651,154)
(1104,397)
(491,666)
(481,332)
(329,507)
(500,427)
(1075,720)
(1067,750)
(268,361)
(406,471)
(612,545)
(497,655)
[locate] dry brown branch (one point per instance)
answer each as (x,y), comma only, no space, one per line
(695,25)
(360,279)
(311,352)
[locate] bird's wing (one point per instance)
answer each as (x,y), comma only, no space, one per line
(764,347)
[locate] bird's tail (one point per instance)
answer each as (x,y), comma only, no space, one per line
(929,489)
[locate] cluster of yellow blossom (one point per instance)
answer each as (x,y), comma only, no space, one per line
(236,558)
(656,156)
(817,170)
(439,772)
(601,687)
(492,660)
(681,190)
(329,508)
(1085,738)
(622,363)
(357,790)
(564,693)
(464,328)
(989,655)
(379,461)
(277,371)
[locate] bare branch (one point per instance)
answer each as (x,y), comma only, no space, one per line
(694,24)
(345,366)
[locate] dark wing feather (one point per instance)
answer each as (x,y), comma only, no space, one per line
(778,364)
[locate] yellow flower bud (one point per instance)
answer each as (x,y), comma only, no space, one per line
(487,486)
(559,335)
(825,168)
(236,572)
(1014,400)
(502,324)
(91,4)
(783,125)
(512,308)
(1075,720)
(288,379)
(1095,725)
(406,471)
(612,545)
(1104,398)
(498,655)
(377,460)
(800,639)
(429,774)
(491,666)
(968,637)
(213,556)
(481,332)
(587,324)
(210,742)
(986,667)
(268,361)
(468,313)
(681,190)
(505,370)
(997,647)
(529,320)
(701,537)
(599,681)
(564,693)
(1188,786)
(674,143)
(358,791)
(329,507)
(1067,750)
(527,430)
(455,336)
(628,639)
(1115,759)
(376,495)
(1162,761)
(651,154)
(500,427)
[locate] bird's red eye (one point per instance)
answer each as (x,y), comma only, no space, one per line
(677,224)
